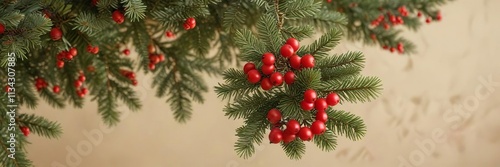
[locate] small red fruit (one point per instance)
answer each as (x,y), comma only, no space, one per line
(151,66)
(286,50)
(332,99)
(318,127)
(321,116)
(191,21)
(82,78)
(294,43)
(73,51)
(2,28)
(267,69)
(268,58)
(292,127)
(287,138)
(59,64)
(310,96)
(118,17)
(186,26)
(25,130)
(320,104)
(295,62)
(161,57)
(169,34)
(275,136)
(80,94)
(56,89)
(307,61)
(266,84)
(55,34)
(274,116)
(428,20)
(253,76)
(307,106)
(248,66)
(154,59)
(134,82)
(276,79)
(305,134)
(151,49)
(78,83)
(126,52)
(289,77)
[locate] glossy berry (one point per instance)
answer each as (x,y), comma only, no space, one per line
(292,127)
(293,43)
(80,94)
(82,78)
(25,130)
(318,127)
(56,89)
(134,82)
(59,64)
(154,59)
(169,34)
(151,66)
(286,50)
(295,61)
(275,136)
(186,26)
(287,138)
(161,57)
(191,21)
(151,49)
(55,34)
(118,17)
(253,76)
(307,61)
(276,79)
(428,20)
(320,104)
(289,77)
(73,51)
(419,14)
(310,95)
(274,116)
(305,134)
(268,59)
(439,17)
(2,28)
(332,99)
(248,66)
(84,91)
(126,52)
(307,106)
(78,83)
(7,88)
(267,69)
(321,116)
(266,84)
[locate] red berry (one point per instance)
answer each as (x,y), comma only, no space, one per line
(266,84)
(305,134)
(386,26)
(292,127)
(169,34)
(78,83)
(151,49)
(307,106)
(289,77)
(130,75)
(318,127)
(151,66)
(321,116)
(320,104)
(276,79)
(267,69)
(25,130)
(186,26)
(118,17)
(385,47)
(95,50)
(286,50)
(191,21)
(134,82)
(73,51)
(287,138)
(295,62)
(438,16)
(400,47)
(294,43)
(126,52)
(2,28)
(56,89)
(60,64)
(307,61)
(274,116)
(248,66)
(268,59)
(428,20)
(392,18)
(80,94)
(7,88)
(392,49)
(310,96)
(253,76)
(332,99)
(55,34)
(419,14)
(154,59)
(161,57)
(275,136)
(82,78)
(84,91)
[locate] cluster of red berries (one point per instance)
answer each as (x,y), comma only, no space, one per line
(393,19)
(118,17)
(80,90)
(293,127)
(130,75)
(2,28)
(65,55)
(169,34)
(190,23)
(269,76)
(154,58)
(55,33)
(25,130)
(399,47)
(92,49)
(439,17)
(40,83)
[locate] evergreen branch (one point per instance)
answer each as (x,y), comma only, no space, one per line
(106,106)
(250,47)
(135,9)
(245,106)
(352,59)
(290,108)
(324,44)
(326,141)
(295,149)
(248,135)
(269,33)
(127,95)
(307,79)
(41,126)
(298,32)
(299,9)
(359,88)
(345,124)
(236,85)
(51,98)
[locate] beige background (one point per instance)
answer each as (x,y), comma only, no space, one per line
(418,98)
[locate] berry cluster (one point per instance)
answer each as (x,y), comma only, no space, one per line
(80,90)
(190,23)
(55,33)
(25,130)
(393,19)
(399,47)
(118,17)
(65,55)
(130,75)
(154,58)
(92,49)
(40,84)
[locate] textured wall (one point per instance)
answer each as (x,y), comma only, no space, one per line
(438,108)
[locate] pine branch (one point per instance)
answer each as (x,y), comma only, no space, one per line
(245,106)
(236,86)
(295,149)
(345,124)
(51,98)
(298,32)
(41,126)
(135,9)
(251,48)
(299,8)
(269,33)
(248,135)
(320,47)
(326,141)
(358,88)
(106,106)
